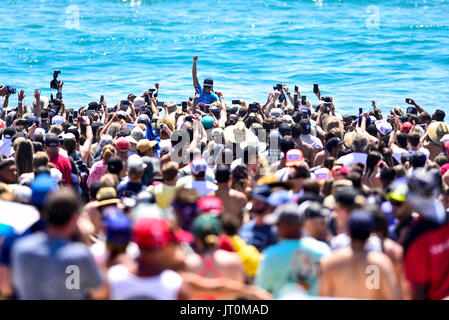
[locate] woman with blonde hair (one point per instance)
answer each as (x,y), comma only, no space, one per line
(99,168)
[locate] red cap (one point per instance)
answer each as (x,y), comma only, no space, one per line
(153,233)
(444,168)
(212,205)
(122,144)
(342,170)
(293,158)
(406,127)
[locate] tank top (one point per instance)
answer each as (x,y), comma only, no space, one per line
(127,286)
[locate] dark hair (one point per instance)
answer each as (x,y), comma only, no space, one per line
(296,130)
(243,111)
(402,140)
(387,176)
(413,138)
(94,187)
(61,206)
(223,174)
(356,179)
(311,185)
(268,124)
(439,115)
(371,161)
(286,144)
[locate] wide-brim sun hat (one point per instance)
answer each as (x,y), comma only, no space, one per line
(437,130)
(238,133)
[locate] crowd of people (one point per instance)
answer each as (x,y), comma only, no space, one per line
(285,199)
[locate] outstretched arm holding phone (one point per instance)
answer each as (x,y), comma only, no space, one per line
(194,73)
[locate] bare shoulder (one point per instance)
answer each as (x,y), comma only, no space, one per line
(238,195)
(337,258)
(393,250)
(380,259)
(227,258)
(193,262)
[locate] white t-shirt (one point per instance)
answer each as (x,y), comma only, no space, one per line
(126,286)
(312,140)
(423,150)
(203,187)
(353,158)
(397,152)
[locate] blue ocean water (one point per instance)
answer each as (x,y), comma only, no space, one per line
(356,50)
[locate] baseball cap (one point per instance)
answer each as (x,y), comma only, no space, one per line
(284,129)
(137,133)
(32,120)
(333,143)
(361,224)
(153,233)
(305,126)
(406,127)
(9,132)
(122,145)
(143,118)
(115,165)
(279,197)
(198,165)
(261,192)
(315,209)
(57,120)
(398,190)
(323,174)
(346,196)
(51,140)
(383,127)
(208,82)
(136,162)
(41,186)
(205,225)
(288,212)
(106,139)
(211,205)
(139,103)
(69,140)
(294,157)
(118,226)
(144,145)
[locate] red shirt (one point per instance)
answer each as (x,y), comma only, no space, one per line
(63,164)
(427,262)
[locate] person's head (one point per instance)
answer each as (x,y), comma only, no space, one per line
(51,144)
(317,220)
(418,160)
(359,143)
(61,211)
(297,175)
(208,85)
(371,161)
(401,140)
(123,146)
(40,159)
(24,157)
(286,144)
(115,165)
(259,199)
(170,172)
(289,220)
(136,168)
(285,129)
(146,147)
(157,242)
(206,230)
(425,118)
(361,224)
(223,174)
(8,171)
(396,194)
(439,115)
(333,145)
(387,176)
(345,201)
(117,229)
(413,140)
(107,152)
(199,168)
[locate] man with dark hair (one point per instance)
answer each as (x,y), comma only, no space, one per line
(438,115)
(345,271)
(413,142)
(306,136)
(8,171)
(165,191)
(307,150)
(60,162)
(233,200)
(207,95)
(56,255)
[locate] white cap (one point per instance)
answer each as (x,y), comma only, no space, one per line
(57,120)
(444,138)
(139,103)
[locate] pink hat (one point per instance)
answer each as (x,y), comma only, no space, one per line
(122,145)
(293,158)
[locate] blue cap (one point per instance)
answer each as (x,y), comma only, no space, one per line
(261,192)
(41,186)
(208,122)
(279,197)
(118,226)
(361,224)
(31,120)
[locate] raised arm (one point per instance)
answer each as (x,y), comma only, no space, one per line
(418,107)
(37,109)
(194,74)
(20,98)
(85,149)
(289,95)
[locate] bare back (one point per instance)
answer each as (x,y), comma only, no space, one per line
(233,200)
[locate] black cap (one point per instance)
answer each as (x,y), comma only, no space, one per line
(52,140)
(361,224)
(316,210)
(346,196)
(18,135)
(284,129)
(9,132)
(333,143)
(305,126)
(115,165)
(208,82)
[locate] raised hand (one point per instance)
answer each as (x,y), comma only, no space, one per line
(195,59)
(21,95)
(37,94)
(156,85)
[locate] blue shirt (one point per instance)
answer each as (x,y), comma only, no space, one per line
(289,262)
(260,236)
(206,98)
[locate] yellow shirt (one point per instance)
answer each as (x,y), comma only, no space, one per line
(163,193)
(249,254)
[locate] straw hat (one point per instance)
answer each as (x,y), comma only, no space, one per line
(348,139)
(437,130)
(238,133)
(330,122)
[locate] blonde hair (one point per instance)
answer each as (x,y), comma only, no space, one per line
(109,180)
(107,152)
(56,129)
(40,159)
